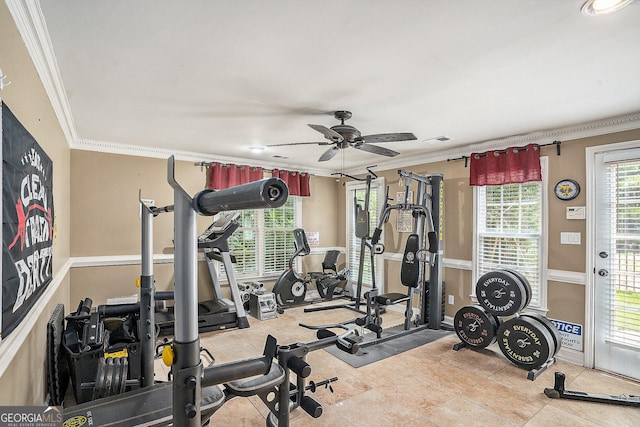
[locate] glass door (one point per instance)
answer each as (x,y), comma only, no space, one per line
(617,262)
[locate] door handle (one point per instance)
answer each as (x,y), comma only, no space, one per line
(603,273)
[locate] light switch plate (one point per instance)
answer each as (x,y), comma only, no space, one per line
(570,238)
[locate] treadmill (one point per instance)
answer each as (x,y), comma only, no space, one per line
(219,313)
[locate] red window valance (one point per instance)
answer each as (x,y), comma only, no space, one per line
(510,166)
(220,176)
(298,182)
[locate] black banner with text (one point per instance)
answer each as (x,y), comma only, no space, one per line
(27,221)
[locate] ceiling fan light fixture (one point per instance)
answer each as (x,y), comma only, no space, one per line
(438,139)
(603,7)
(256,150)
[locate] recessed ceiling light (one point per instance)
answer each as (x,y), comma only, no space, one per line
(602,7)
(256,150)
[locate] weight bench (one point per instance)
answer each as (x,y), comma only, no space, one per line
(409,274)
(151,405)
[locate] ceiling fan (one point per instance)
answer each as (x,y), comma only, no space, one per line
(344,136)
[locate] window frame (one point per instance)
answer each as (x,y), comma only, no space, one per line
(260,230)
(542,307)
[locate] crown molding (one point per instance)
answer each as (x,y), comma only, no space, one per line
(189,156)
(30,22)
(566,133)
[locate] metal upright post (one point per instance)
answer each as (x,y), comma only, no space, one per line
(187,368)
(147,297)
(435,270)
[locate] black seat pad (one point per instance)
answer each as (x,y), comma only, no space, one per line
(391,298)
(256,384)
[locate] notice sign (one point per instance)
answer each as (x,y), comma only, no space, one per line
(313,238)
(27,221)
(571,334)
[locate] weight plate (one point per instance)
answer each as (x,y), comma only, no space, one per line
(525,282)
(475,327)
(108,376)
(117,376)
(555,333)
(98,387)
(501,293)
(124,374)
(526,342)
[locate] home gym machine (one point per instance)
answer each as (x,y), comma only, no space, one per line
(219,313)
(291,287)
(193,394)
(427,215)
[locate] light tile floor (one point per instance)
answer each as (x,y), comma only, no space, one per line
(431,385)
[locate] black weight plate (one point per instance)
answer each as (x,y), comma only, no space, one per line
(98,387)
(526,342)
(124,375)
(108,376)
(117,376)
(498,323)
(555,333)
(501,293)
(475,327)
(525,282)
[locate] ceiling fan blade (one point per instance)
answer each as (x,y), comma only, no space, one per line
(376,150)
(331,135)
(389,137)
(328,155)
(299,143)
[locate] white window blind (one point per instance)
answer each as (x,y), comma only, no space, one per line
(278,246)
(264,242)
(623,184)
(510,231)
(243,243)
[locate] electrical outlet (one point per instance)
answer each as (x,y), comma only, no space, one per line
(450,299)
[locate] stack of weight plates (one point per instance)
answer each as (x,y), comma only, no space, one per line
(528,339)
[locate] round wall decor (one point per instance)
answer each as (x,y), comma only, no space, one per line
(566,189)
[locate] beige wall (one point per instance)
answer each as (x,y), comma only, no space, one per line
(105,214)
(23,382)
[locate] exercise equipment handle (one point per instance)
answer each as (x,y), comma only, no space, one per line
(348,341)
(225,372)
(299,367)
(266,193)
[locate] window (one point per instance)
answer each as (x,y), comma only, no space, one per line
(376,200)
(264,242)
(510,232)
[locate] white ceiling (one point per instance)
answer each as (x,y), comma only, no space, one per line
(216,77)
